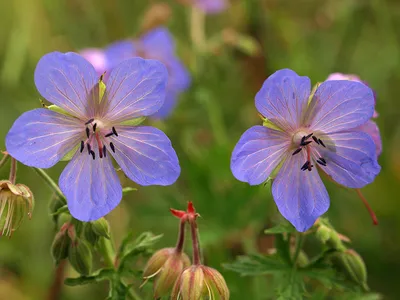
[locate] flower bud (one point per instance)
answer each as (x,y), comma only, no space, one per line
(101,228)
(80,256)
(329,237)
(352,265)
(166,264)
(90,235)
(200,282)
(59,248)
(16,202)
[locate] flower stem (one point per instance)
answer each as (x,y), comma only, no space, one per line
(50,183)
(56,287)
(13,170)
(4,159)
(181,236)
(299,245)
(371,212)
(195,241)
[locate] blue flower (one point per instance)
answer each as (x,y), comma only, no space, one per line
(157,44)
(96,126)
(304,131)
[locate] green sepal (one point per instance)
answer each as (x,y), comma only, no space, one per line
(315,87)
(70,154)
(127,190)
(102,88)
(284,227)
(133,122)
(100,275)
(269,124)
(62,209)
(59,110)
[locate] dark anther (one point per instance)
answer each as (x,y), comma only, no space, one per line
(302,140)
(308,136)
(109,134)
(297,151)
(93,154)
(321,142)
(90,121)
(89,149)
(114,131)
(315,139)
(112,147)
(321,163)
(82,146)
(104,151)
(322,159)
(305,143)
(305,166)
(87,132)
(94,127)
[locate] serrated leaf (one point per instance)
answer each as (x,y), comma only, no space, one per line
(290,286)
(118,289)
(282,246)
(283,227)
(255,265)
(102,274)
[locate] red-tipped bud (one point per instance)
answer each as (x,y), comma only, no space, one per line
(200,282)
(178,213)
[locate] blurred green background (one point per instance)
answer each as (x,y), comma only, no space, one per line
(248,42)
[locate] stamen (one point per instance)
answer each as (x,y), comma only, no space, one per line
(93,154)
(305,143)
(321,163)
(371,212)
(94,127)
(82,146)
(322,159)
(114,131)
(315,140)
(89,148)
(308,136)
(104,151)
(297,151)
(321,142)
(109,134)
(90,121)
(87,132)
(112,147)
(305,166)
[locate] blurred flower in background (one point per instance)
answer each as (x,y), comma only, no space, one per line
(156,44)
(369,127)
(211,6)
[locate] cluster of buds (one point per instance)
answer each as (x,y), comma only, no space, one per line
(16,201)
(171,268)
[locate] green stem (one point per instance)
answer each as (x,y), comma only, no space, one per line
(51,183)
(13,170)
(299,246)
(4,159)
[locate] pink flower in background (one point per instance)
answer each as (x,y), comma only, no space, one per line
(369,127)
(211,6)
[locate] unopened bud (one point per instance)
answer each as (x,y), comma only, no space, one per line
(352,265)
(169,271)
(80,256)
(59,248)
(200,282)
(90,235)
(156,262)
(101,228)
(16,202)
(329,237)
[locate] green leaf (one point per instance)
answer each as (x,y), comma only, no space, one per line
(255,265)
(118,289)
(127,190)
(133,122)
(283,227)
(282,246)
(100,275)
(290,286)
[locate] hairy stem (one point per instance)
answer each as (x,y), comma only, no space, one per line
(195,241)
(51,183)
(299,245)
(58,282)
(181,236)
(371,212)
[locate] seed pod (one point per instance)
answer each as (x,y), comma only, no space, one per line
(59,248)
(80,256)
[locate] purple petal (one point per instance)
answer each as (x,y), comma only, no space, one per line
(179,77)
(373,130)
(135,88)
(258,152)
(41,137)
(92,187)
(341,76)
(340,105)
(66,80)
(283,97)
(301,196)
(97,58)
(168,106)
(350,158)
(158,40)
(118,52)
(146,156)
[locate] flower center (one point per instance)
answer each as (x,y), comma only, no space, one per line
(97,134)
